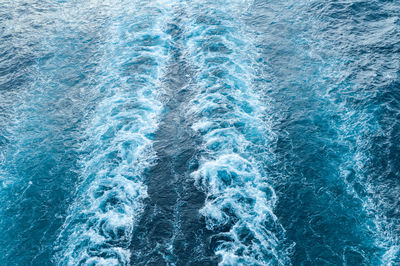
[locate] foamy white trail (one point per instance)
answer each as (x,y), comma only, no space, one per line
(118,147)
(236,138)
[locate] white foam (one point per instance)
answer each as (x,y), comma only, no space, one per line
(391,256)
(99,227)
(236,139)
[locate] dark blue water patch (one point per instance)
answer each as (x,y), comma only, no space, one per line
(323,219)
(372,47)
(382,170)
(325,75)
(171,227)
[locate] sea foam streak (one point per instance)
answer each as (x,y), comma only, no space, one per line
(118,149)
(236,138)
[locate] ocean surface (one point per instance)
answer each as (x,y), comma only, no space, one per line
(241,132)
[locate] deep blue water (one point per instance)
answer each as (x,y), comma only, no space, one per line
(200,132)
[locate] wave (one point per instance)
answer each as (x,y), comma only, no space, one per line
(227,113)
(118,147)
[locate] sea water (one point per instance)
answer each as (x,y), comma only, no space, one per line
(199,132)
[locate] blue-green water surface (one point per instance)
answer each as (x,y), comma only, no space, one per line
(200,132)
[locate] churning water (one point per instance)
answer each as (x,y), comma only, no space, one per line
(201,132)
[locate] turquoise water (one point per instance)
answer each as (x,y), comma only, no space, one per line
(199,132)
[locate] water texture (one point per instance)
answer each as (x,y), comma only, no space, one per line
(199,132)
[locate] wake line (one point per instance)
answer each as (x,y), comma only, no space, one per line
(229,117)
(119,141)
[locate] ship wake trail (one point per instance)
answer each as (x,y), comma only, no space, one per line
(171,227)
(237,136)
(118,147)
